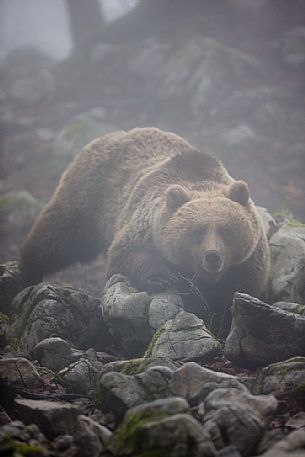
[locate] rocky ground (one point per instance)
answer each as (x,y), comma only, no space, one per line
(134,374)
(123,373)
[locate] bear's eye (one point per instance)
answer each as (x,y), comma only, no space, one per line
(199,232)
(225,232)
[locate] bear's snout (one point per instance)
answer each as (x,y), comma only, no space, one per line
(212,261)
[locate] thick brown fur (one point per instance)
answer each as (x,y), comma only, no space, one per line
(155,206)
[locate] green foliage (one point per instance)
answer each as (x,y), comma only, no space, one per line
(285,215)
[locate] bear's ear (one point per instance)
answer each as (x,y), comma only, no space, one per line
(176,196)
(239,192)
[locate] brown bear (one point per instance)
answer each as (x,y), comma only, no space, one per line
(160,210)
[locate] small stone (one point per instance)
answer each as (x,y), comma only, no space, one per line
(184,338)
(296,421)
(63,442)
(165,406)
(80,377)
(20,371)
(91,438)
(117,392)
(291,446)
(136,366)
(291,307)
(54,353)
(189,380)
(53,418)
(236,417)
(287,377)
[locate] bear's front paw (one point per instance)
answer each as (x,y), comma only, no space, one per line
(159,283)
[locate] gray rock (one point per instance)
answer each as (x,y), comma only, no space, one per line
(117,392)
(269,222)
(296,421)
(18,439)
(178,435)
(52,418)
(91,438)
(291,446)
(46,310)
(80,377)
(279,335)
(285,377)
(63,443)
(33,89)
(163,307)
(236,417)
(136,366)
(270,438)
(229,451)
(189,380)
(55,353)
(20,371)
(184,338)
(80,130)
(166,406)
(288,264)
(4,319)
(126,313)
(10,285)
(211,60)
(291,307)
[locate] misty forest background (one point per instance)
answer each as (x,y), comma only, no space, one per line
(228,75)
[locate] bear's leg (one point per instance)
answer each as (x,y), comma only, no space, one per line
(61,236)
(141,264)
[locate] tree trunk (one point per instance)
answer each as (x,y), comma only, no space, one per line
(85,17)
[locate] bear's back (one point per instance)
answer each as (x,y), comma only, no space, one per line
(137,148)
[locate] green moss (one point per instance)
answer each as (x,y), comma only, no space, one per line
(3,318)
(301,386)
(27,449)
(126,434)
(154,339)
(17,448)
(15,343)
(132,367)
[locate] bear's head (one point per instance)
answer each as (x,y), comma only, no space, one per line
(205,233)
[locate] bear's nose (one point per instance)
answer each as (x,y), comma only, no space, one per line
(212,261)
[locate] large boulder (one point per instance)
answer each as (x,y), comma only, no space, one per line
(46,310)
(279,335)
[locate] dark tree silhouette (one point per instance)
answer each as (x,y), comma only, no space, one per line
(85,18)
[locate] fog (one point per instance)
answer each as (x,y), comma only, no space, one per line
(45,24)
(226,75)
